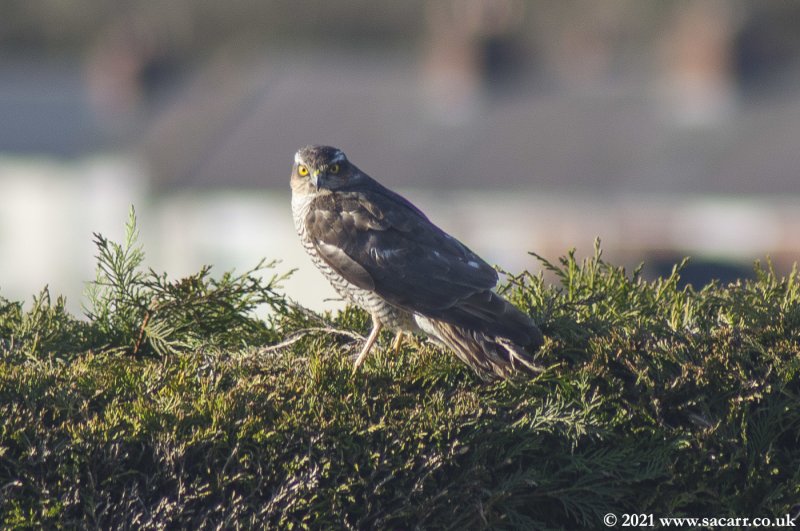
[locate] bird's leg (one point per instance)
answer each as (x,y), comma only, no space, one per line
(373,336)
(398,341)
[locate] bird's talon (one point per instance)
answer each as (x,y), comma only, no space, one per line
(397,343)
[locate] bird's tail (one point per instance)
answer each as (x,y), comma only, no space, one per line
(490,356)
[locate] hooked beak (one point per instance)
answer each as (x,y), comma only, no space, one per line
(315,179)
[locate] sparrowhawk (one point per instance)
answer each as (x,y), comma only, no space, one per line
(382,253)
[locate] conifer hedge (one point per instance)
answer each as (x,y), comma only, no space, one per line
(169,404)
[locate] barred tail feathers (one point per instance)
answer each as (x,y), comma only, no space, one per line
(489,356)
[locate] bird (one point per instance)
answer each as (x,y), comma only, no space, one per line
(381,253)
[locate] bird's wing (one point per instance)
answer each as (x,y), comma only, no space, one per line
(379,241)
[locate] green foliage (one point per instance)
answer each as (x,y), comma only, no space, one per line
(143,312)
(172,405)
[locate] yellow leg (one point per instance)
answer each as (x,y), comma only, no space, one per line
(398,342)
(373,336)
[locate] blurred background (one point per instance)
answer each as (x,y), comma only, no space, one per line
(665,128)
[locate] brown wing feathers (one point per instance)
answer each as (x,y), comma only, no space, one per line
(379,241)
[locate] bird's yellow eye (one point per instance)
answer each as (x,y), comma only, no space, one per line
(302,170)
(334,168)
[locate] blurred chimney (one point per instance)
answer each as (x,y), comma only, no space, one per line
(698,52)
(470,50)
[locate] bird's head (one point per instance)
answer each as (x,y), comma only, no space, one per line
(322,168)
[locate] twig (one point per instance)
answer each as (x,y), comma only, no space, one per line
(282,344)
(300,334)
(141,332)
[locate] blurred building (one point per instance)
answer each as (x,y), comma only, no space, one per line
(666,129)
